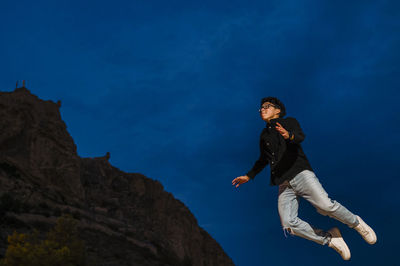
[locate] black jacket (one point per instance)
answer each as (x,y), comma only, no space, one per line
(286,157)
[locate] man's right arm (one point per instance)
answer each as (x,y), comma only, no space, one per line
(258,166)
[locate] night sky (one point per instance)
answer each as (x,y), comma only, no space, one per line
(172,89)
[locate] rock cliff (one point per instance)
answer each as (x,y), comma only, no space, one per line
(125,218)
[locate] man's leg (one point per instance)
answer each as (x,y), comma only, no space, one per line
(307,185)
(288,204)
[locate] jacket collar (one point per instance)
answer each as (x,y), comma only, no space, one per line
(273,121)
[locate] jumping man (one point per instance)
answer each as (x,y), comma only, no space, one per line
(280,146)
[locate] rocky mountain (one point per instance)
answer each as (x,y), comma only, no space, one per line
(124,218)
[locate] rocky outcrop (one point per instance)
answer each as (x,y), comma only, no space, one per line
(125,218)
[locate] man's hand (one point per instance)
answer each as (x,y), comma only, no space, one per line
(240,180)
(282,131)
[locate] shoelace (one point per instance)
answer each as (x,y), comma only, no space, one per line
(363,230)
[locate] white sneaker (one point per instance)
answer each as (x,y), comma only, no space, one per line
(365,231)
(338,244)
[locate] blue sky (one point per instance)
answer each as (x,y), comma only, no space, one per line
(171,89)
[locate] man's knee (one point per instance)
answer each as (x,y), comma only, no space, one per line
(326,207)
(288,224)
(288,230)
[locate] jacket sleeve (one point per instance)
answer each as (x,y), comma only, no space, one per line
(296,134)
(259,165)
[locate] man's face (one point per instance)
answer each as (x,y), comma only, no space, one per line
(269,111)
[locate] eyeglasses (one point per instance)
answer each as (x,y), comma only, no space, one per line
(265,107)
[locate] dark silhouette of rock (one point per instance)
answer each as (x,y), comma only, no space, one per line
(125,218)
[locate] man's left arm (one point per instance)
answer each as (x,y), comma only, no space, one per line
(296,134)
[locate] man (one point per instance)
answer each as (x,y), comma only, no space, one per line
(290,170)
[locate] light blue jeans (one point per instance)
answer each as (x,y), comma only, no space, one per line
(306,185)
